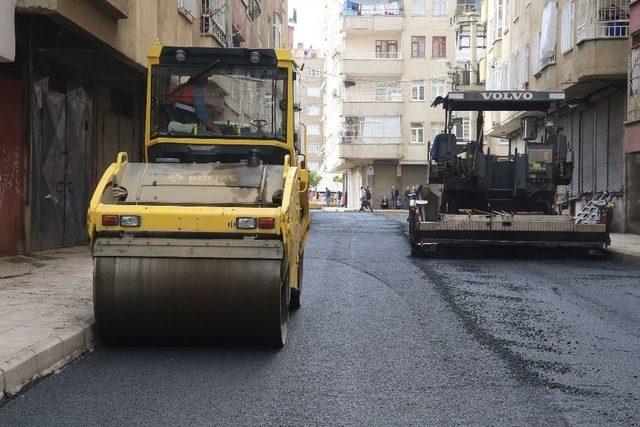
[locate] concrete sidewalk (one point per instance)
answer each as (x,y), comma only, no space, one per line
(46,314)
(625,247)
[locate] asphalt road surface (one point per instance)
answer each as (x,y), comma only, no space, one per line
(384,339)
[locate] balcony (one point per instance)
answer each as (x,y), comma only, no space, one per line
(371,108)
(602,19)
(368,149)
(371,24)
(380,66)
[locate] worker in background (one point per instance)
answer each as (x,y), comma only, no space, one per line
(192,94)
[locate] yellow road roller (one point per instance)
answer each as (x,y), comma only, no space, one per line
(205,239)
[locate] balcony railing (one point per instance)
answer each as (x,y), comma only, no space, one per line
(370,140)
(379,8)
(602,19)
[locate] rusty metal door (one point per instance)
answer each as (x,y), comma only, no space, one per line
(77,161)
(60,170)
(48,178)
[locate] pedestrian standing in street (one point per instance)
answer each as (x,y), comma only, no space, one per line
(369,198)
(405,198)
(327,196)
(339,198)
(394,197)
(344,200)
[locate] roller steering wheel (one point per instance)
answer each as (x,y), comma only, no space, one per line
(259,123)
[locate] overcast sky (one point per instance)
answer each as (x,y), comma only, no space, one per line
(310,26)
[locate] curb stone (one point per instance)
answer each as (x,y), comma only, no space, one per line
(43,358)
(621,256)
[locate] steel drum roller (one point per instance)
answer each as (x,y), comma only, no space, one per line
(181,297)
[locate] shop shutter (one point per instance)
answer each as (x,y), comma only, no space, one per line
(586,156)
(616,136)
(577,152)
(602,144)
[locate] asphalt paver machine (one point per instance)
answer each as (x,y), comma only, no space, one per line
(205,239)
(475,198)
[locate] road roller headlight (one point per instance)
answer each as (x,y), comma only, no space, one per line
(246,223)
(129,220)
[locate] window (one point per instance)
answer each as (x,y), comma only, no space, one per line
(535,54)
(503,141)
(513,72)
(467,6)
(313,130)
(313,148)
(417,133)
(438,88)
(313,92)
(462,129)
(439,47)
(436,129)
(188,9)
(419,8)
(371,127)
(566,26)
(439,7)
(277,31)
(417,90)
(523,66)
(388,92)
(386,48)
(214,20)
(418,46)
(313,110)
(313,72)
(214,96)
(381,127)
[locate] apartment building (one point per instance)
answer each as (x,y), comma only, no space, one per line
(632,125)
(74,78)
(581,47)
(386,62)
(311,103)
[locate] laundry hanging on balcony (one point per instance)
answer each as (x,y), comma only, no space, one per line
(549,34)
(351,5)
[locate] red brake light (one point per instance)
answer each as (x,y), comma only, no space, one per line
(267,223)
(109,220)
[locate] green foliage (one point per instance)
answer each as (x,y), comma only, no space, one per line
(314,179)
(337,178)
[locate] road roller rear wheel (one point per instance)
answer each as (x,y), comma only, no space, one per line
(294,304)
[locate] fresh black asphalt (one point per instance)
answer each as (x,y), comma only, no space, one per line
(383,338)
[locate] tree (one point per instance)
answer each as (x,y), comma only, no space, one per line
(337,178)
(314,179)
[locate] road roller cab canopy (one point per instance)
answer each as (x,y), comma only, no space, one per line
(202,99)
